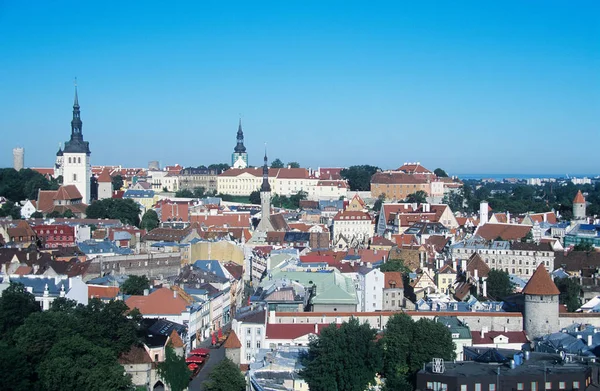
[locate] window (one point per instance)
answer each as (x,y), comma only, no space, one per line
(492,387)
(248,357)
(477,386)
(248,344)
(548,385)
(74,177)
(562,385)
(575,385)
(258,344)
(520,386)
(463,387)
(533,386)
(248,331)
(258,331)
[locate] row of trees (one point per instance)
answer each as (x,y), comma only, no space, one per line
(24,184)
(348,358)
(277,163)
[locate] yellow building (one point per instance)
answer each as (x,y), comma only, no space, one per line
(222,251)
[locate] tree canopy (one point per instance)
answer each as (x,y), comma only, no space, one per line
(69,347)
(225,376)
(10,209)
(394,265)
(184,193)
(220,167)
(294,164)
(583,246)
(149,220)
(117,182)
(440,173)
(126,210)
(255,197)
(23,184)
(277,163)
(418,197)
(359,177)
(344,359)
(407,345)
(291,202)
(570,293)
(135,285)
(174,370)
(499,284)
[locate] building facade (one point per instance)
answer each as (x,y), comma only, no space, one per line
(239,157)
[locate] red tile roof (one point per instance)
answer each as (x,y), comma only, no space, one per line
(135,355)
(540,283)
(394,177)
(104,177)
(488,337)
(175,339)
(579,198)
(232,342)
(68,192)
(103,292)
(352,215)
(393,280)
(239,220)
(292,330)
(492,231)
(414,168)
(550,217)
(475,262)
(160,302)
(44,171)
(23,270)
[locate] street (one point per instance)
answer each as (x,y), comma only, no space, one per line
(216,356)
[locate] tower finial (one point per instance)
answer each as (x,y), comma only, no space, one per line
(76,102)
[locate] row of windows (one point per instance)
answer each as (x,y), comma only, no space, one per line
(534,386)
(72,160)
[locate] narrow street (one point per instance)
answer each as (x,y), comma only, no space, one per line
(216,356)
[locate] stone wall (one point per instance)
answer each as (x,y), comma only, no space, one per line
(151,265)
(494,321)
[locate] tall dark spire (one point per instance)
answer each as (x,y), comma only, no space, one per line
(240,148)
(266,187)
(76,143)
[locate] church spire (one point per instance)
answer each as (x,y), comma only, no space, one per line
(240,148)
(266,187)
(76,143)
(76,101)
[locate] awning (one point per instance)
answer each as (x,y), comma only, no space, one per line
(194,359)
(200,352)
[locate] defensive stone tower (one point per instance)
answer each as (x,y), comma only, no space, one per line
(540,316)
(579,207)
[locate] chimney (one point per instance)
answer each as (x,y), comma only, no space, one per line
(484,293)
(174,294)
(463,265)
(589,340)
(272,317)
(316,329)
(508,217)
(146,292)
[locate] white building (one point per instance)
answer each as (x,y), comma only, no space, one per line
(250,327)
(47,289)
(27,209)
(371,283)
(355,228)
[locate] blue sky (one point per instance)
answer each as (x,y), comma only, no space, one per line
(471,86)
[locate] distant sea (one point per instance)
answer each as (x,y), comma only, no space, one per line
(499,177)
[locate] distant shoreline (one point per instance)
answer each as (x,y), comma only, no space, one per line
(522,176)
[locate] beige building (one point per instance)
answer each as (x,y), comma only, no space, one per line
(353,228)
(283,181)
(222,251)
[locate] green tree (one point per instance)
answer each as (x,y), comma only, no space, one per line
(10,209)
(570,293)
(199,192)
(174,370)
(24,184)
(277,163)
(184,193)
(125,210)
(255,197)
(150,220)
(68,214)
(37,215)
(75,363)
(15,368)
(407,345)
(54,215)
(296,198)
(344,359)
(499,284)
(219,167)
(440,173)
(359,177)
(135,285)
(225,376)
(117,182)
(528,238)
(379,202)
(294,164)
(418,197)
(394,265)
(583,246)
(455,200)
(16,304)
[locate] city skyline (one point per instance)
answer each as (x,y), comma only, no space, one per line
(471,88)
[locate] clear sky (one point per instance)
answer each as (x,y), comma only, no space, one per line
(470,86)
